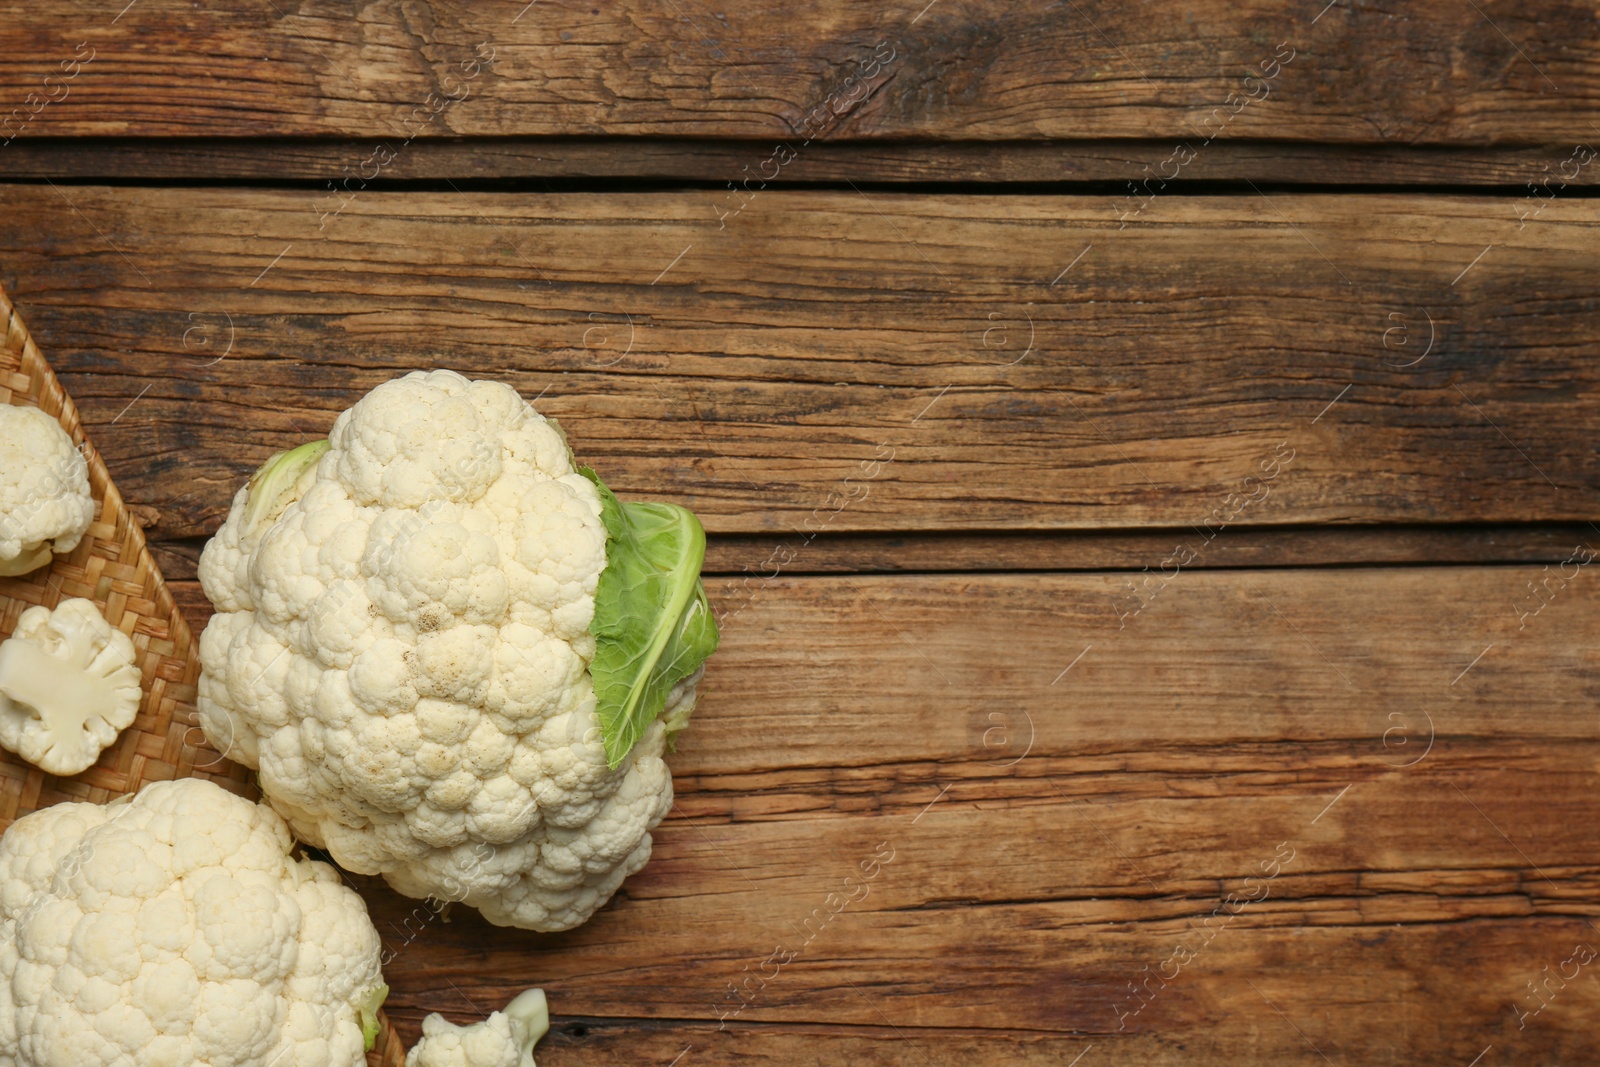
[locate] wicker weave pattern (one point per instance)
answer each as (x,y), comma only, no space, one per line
(113,568)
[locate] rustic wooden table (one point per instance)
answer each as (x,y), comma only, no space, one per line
(1148,452)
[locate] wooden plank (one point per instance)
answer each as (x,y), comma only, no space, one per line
(1040,163)
(972,671)
(1229,657)
(614,1043)
(1054,977)
(1436,72)
(1425,876)
(835,362)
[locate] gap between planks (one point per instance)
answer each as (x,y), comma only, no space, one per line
(603,163)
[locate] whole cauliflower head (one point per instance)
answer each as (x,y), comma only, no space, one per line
(69,684)
(45,503)
(402,648)
(175,929)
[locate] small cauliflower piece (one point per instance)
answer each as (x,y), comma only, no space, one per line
(69,684)
(454,657)
(45,503)
(174,928)
(505,1039)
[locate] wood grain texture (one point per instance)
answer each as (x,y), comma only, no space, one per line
(610,1043)
(1213,659)
(1054,837)
(1431,72)
(1109,583)
(502,159)
(830,361)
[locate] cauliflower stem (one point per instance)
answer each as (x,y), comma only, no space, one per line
(29,558)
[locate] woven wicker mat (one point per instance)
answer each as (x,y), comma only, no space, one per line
(113,568)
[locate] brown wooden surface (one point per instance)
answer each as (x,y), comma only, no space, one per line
(1053,837)
(1433,72)
(818,335)
(1047,655)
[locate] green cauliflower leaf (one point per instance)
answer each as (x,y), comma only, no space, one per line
(652,624)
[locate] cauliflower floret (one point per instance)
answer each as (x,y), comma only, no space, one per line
(69,685)
(505,1039)
(45,503)
(402,648)
(174,928)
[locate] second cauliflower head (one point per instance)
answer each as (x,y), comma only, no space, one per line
(175,928)
(403,644)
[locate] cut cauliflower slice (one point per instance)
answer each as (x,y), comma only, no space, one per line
(403,647)
(174,928)
(45,503)
(69,684)
(505,1039)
